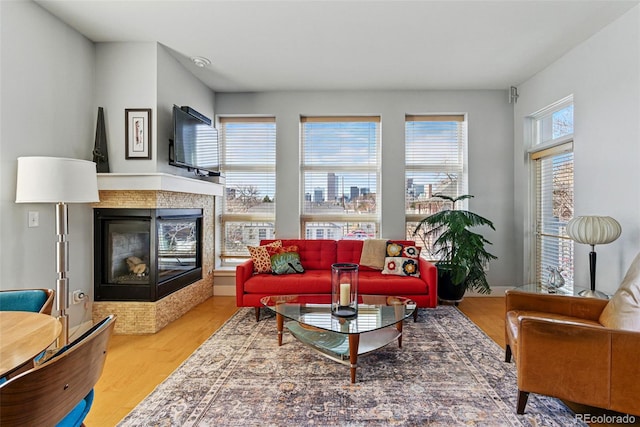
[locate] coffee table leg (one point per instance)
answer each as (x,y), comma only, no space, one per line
(280,323)
(354,342)
(399,328)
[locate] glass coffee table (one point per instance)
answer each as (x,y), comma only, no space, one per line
(378,323)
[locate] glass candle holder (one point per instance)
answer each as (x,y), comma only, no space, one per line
(344,290)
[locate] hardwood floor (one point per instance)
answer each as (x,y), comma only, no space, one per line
(136,364)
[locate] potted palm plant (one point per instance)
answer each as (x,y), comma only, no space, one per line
(461,252)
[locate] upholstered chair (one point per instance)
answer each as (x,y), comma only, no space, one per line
(583,350)
(34,300)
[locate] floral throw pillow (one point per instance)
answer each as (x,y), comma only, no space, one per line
(395,249)
(401,260)
(401,266)
(261,258)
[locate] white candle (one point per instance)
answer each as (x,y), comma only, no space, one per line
(345,291)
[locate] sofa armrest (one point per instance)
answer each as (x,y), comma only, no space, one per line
(429,273)
(244,272)
(574,306)
(564,359)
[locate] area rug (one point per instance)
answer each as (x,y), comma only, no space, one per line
(448,372)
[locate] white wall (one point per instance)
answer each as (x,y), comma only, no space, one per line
(126,77)
(490,153)
(52,81)
(48,109)
(603,74)
(176,85)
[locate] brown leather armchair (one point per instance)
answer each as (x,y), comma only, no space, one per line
(561,350)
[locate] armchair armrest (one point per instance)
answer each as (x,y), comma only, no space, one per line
(564,359)
(243,272)
(574,306)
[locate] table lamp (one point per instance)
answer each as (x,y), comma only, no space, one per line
(60,181)
(593,230)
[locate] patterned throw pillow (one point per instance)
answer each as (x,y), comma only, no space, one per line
(401,266)
(395,249)
(285,260)
(261,258)
(401,260)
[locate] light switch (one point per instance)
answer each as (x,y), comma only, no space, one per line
(34,219)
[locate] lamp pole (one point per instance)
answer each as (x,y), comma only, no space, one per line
(62,262)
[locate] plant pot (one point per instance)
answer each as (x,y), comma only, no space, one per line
(447,290)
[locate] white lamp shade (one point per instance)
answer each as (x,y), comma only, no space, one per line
(594,230)
(56,180)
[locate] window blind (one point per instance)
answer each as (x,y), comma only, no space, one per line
(434,163)
(340,175)
(248,162)
(554,208)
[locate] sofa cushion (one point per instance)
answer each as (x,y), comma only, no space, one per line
(314,254)
(309,282)
(349,252)
(374,283)
(623,310)
(261,257)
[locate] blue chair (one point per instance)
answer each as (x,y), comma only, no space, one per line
(60,390)
(34,300)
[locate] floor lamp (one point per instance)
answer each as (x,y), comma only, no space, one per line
(593,230)
(60,181)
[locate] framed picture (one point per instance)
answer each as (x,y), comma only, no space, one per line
(137,133)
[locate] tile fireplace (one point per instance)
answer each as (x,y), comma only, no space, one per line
(157,194)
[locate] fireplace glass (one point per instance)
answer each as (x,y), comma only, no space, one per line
(145,254)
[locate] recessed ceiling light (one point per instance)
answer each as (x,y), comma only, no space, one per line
(200,61)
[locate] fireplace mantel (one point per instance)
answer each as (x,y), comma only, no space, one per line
(158,182)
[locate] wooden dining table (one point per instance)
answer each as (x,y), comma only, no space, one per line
(23,335)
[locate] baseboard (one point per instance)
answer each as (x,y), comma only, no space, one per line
(224,290)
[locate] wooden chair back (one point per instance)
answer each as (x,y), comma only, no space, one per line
(45,394)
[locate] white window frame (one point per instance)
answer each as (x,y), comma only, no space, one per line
(542,147)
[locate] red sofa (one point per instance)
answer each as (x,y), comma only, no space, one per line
(316,257)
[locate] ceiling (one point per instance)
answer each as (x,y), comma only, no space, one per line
(350,44)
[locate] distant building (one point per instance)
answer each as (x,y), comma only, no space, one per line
(354,192)
(318,195)
(332,187)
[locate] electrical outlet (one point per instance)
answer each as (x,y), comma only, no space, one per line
(78,296)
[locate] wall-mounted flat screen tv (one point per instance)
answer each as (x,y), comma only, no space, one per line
(195,142)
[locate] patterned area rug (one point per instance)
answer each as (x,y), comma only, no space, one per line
(448,372)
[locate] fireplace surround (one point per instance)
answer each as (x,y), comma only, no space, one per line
(160,191)
(145,254)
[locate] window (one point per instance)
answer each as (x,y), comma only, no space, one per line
(248,147)
(434,163)
(552,160)
(340,174)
